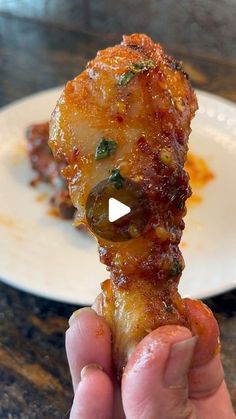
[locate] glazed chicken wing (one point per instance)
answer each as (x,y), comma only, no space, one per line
(139,101)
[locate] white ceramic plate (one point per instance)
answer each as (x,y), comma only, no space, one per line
(48,257)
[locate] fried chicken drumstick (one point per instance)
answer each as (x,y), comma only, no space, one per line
(140,102)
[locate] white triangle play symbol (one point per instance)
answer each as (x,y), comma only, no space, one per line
(116,210)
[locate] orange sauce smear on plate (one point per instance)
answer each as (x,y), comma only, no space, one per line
(200,175)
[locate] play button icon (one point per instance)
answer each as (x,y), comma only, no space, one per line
(117,211)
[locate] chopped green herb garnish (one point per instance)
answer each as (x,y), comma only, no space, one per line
(176,65)
(125,78)
(180,204)
(117,179)
(166,156)
(176,268)
(135,68)
(105,148)
(169,308)
(143,65)
(133,231)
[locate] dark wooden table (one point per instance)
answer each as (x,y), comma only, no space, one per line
(34,377)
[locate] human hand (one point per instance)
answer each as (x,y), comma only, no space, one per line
(170,374)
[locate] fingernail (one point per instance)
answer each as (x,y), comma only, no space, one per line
(179,362)
(88,369)
(77,314)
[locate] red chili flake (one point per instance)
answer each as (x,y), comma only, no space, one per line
(143,145)
(181,137)
(74,154)
(35,181)
(119,118)
(160,114)
(170,134)
(60,155)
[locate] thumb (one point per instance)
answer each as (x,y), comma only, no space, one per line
(207,388)
(155,382)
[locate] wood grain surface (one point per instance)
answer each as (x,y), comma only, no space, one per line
(35,381)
